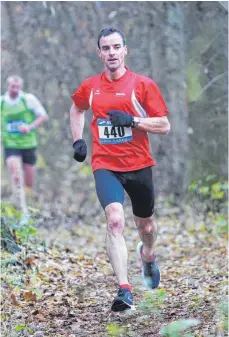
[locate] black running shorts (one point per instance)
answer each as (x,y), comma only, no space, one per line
(28,155)
(110,186)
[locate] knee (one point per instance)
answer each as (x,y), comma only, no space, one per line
(16,179)
(145,226)
(115,225)
(115,219)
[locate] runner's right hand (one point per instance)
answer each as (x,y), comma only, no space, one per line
(80,148)
(24,128)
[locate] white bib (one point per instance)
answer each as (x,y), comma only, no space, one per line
(14,126)
(109,134)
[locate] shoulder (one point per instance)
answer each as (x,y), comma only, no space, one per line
(28,96)
(31,100)
(145,80)
(87,85)
(145,85)
(89,82)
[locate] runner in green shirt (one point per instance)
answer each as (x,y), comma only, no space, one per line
(21,114)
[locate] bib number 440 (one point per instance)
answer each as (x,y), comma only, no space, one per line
(109,134)
(115,131)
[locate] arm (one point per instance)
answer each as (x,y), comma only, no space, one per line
(158,125)
(41,115)
(26,128)
(77,125)
(40,120)
(154,106)
(152,101)
(77,119)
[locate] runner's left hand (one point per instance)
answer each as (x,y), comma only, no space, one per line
(25,128)
(120,118)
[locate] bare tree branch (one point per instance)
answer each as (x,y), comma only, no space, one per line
(215,79)
(224,4)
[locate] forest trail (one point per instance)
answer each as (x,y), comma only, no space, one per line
(67,285)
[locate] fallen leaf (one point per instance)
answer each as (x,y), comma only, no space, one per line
(14,299)
(29,261)
(30,296)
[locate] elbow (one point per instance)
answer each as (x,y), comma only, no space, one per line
(44,119)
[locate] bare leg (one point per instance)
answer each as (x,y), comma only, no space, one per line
(14,164)
(29,174)
(147,229)
(115,243)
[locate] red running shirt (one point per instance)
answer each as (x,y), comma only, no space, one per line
(119,148)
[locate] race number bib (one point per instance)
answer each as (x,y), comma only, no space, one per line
(109,134)
(14,126)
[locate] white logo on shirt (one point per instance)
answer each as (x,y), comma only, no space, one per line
(120,94)
(97,92)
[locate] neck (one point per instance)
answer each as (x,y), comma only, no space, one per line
(115,75)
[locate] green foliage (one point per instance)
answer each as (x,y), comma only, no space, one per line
(41,163)
(175,329)
(153,300)
(20,327)
(114,330)
(209,193)
(23,233)
(193,82)
(10,212)
(224,315)
(85,171)
(221,224)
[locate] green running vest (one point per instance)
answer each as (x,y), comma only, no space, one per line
(12,117)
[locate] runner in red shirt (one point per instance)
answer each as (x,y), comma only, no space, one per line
(125,106)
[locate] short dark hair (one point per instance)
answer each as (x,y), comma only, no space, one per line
(108,31)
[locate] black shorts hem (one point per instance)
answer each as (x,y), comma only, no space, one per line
(28,155)
(143,216)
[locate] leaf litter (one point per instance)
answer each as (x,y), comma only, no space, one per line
(65,287)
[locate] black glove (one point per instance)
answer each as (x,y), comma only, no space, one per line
(119,118)
(80,148)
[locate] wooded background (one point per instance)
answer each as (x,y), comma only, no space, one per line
(61,283)
(182,46)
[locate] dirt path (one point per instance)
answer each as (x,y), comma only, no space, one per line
(66,288)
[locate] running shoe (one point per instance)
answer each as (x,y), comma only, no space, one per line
(150,270)
(123,301)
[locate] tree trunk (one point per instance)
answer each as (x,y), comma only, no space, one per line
(172,152)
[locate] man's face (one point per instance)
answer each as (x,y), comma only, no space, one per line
(13,88)
(112,51)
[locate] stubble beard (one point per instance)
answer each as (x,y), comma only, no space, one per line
(113,68)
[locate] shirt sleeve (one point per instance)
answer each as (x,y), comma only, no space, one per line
(81,96)
(152,99)
(35,105)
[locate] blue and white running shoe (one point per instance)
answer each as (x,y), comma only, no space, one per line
(123,301)
(150,271)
